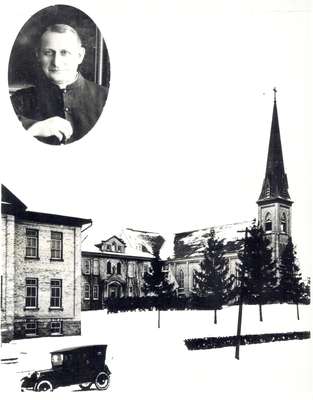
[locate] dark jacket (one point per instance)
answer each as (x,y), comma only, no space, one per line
(81,103)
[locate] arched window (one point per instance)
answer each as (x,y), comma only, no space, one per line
(283,223)
(109,267)
(119,268)
(181,279)
(268,223)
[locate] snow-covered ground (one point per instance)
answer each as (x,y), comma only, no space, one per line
(151,363)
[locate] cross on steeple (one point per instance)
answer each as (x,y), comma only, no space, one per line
(275,91)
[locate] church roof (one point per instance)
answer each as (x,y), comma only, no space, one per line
(184,244)
(275,184)
(192,244)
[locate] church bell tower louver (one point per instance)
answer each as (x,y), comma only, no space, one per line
(274,203)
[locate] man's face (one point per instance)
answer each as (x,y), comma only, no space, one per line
(60,55)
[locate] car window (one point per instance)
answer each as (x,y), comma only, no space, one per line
(57,359)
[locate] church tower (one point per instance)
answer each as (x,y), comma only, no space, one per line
(274,204)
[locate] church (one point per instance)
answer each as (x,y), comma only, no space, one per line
(49,273)
(183,251)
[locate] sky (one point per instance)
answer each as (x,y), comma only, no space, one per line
(183,138)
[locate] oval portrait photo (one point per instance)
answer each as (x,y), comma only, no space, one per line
(59,75)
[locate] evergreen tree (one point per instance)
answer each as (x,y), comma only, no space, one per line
(213,279)
(257,270)
(156,282)
(291,287)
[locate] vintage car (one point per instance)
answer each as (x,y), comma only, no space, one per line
(81,366)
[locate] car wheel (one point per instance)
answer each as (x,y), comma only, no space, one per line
(44,386)
(22,386)
(85,386)
(102,381)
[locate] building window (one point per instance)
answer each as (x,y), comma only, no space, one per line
(32,243)
(109,247)
(31,300)
(194,279)
(56,328)
(283,223)
(56,293)
(109,268)
(131,270)
(268,191)
(96,267)
(114,247)
(120,249)
(181,279)
(145,269)
(95,292)
(119,268)
(268,223)
(31,328)
(87,267)
(56,245)
(86,291)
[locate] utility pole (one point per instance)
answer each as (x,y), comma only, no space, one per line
(241,299)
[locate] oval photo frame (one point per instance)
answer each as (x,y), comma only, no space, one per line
(59,75)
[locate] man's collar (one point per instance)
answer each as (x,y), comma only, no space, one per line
(76,84)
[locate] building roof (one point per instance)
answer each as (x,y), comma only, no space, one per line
(275,184)
(184,244)
(99,245)
(192,244)
(145,241)
(10,204)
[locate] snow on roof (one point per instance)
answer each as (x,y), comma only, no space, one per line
(172,245)
(93,236)
(144,241)
(191,244)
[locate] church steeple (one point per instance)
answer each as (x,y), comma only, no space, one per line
(275,184)
(274,204)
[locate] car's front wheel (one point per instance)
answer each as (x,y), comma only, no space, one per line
(85,386)
(102,381)
(44,386)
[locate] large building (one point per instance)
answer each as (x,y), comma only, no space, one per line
(115,268)
(183,251)
(40,271)
(274,215)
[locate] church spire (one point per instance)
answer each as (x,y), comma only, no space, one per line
(275,184)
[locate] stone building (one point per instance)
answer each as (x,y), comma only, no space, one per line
(274,215)
(40,271)
(116,269)
(183,251)
(113,270)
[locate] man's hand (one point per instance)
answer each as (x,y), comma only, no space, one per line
(54,126)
